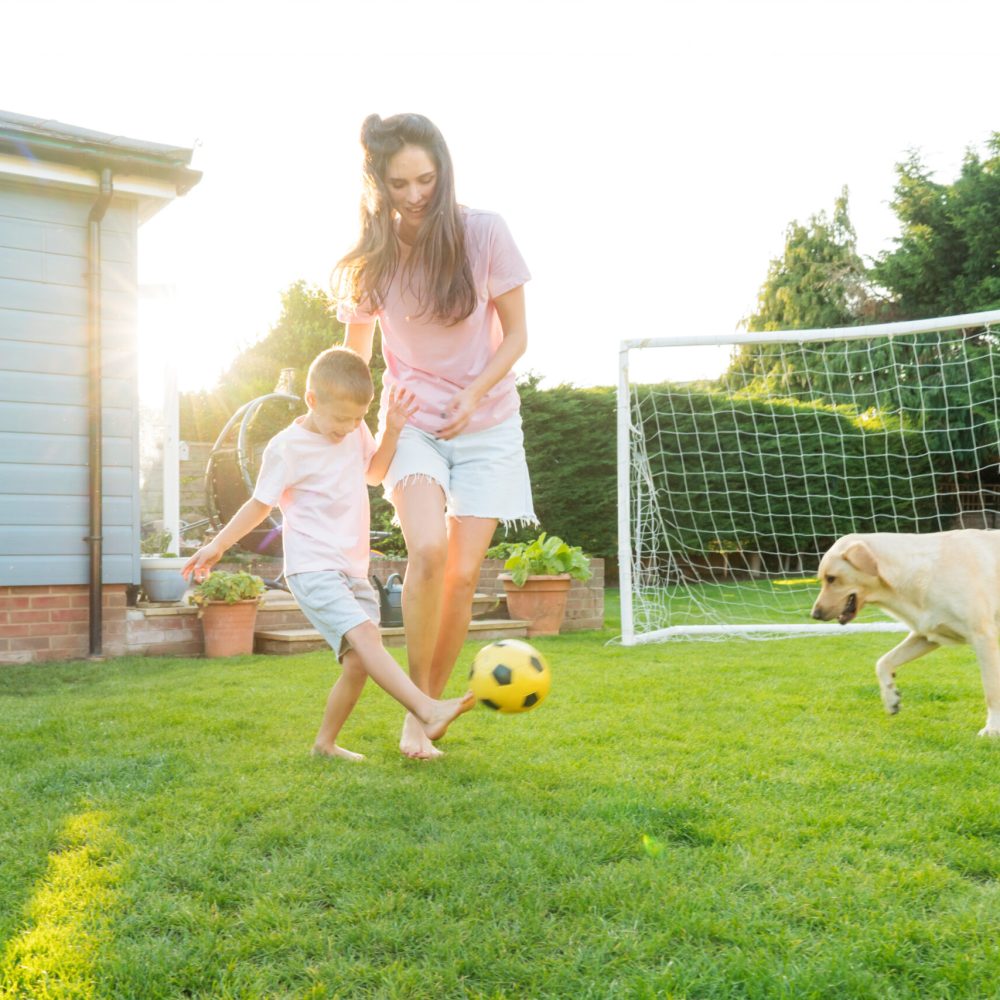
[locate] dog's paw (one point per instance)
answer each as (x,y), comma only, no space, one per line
(989,730)
(891,698)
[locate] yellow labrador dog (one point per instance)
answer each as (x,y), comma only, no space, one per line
(945,587)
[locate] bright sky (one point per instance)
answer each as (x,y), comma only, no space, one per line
(646,155)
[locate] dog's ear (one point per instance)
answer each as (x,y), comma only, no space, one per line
(861,558)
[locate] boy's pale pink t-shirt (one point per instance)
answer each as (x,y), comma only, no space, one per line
(435,361)
(320,487)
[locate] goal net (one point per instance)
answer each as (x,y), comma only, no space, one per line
(731,489)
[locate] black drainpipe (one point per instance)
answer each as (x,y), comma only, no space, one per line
(96,424)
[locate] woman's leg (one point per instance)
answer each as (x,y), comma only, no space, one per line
(420,506)
(468,540)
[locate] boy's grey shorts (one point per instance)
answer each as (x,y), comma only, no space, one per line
(335,603)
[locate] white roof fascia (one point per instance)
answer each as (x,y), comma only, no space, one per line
(151,194)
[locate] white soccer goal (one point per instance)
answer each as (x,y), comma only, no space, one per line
(730,489)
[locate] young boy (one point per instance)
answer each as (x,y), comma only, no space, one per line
(316,471)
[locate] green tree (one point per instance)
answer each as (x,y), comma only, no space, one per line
(819,281)
(306,326)
(947,256)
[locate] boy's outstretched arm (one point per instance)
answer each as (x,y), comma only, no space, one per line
(401,406)
(241,523)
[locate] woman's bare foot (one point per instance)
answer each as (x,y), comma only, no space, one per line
(445,712)
(336,751)
(414,742)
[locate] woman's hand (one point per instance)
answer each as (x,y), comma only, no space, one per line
(400,407)
(458,413)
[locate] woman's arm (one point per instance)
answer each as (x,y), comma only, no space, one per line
(510,309)
(358,337)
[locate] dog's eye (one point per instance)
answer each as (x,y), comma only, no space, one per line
(830,578)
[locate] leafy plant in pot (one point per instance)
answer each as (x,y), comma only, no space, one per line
(160,570)
(537,584)
(228,603)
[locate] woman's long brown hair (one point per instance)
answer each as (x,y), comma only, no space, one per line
(438,260)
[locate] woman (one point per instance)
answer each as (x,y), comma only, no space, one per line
(446,286)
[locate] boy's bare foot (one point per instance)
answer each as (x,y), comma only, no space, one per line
(414,742)
(336,751)
(445,712)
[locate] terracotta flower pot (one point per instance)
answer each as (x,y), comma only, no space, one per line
(228,628)
(541,602)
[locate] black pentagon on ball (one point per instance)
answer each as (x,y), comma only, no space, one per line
(537,664)
(530,700)
(501,674)
(489,704)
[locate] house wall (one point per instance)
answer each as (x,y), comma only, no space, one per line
(43,391)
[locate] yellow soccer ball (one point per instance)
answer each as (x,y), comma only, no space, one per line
(509,676)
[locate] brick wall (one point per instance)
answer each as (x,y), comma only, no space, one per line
(163,631)
(53,623)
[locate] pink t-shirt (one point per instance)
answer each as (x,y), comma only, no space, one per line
(320,487)
(435,361)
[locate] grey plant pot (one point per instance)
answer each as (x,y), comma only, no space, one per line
(161,578)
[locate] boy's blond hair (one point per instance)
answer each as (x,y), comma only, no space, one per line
(340,372)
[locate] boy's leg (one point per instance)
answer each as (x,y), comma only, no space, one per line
(434,715)
(343,697)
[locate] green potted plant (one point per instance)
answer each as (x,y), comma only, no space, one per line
(160,569)
(228,611)
(538,579)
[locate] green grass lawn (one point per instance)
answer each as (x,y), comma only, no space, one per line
(728,820)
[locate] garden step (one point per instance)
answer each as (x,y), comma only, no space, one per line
(279,610)
(305,640)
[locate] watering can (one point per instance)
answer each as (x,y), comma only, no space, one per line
(390,599)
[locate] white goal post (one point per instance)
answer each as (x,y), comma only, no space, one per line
(730,489)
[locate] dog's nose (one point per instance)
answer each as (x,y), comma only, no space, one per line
(817,614)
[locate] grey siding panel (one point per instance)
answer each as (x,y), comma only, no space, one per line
(56,359)
(51,449)
(66,300)
(43,418)
(41,510)
(61,480)
(27,265)
(52,205)
(35,297)
(23,235)
(44,480)
(52,540)
(28,387)
(50,269)
(70,240)
(44,328)
(36,571)
(45,359)
(51,238)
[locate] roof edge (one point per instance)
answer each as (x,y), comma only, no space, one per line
(41,139)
